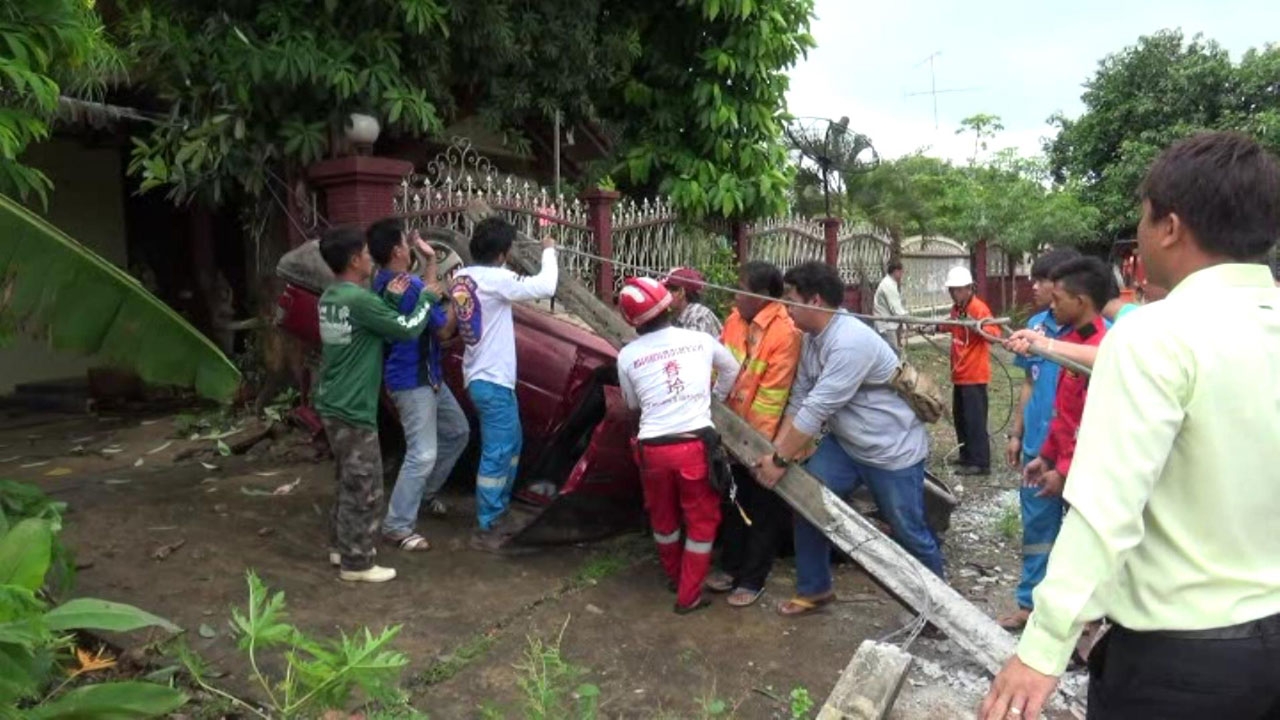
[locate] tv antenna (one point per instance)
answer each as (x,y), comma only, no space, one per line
(933,86)
(833,149)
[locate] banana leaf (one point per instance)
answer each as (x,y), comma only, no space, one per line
(54,286)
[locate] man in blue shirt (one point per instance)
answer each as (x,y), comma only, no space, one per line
(435,428)
(1041,515)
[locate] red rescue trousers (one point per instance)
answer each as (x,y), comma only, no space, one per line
(678,494)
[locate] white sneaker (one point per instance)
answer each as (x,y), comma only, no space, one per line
(438,508)
(375,574)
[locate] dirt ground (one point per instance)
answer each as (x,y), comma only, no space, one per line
(174,533)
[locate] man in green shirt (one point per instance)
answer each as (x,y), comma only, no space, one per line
(354,324)
(1174,492)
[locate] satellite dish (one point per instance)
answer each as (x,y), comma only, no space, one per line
(830,151)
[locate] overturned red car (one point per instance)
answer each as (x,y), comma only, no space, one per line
(577,481)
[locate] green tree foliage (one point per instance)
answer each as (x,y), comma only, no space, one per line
(1006,201)
(47,48)
(984,127)
(1149,95)
(704,104)
(692,91)
(253,86)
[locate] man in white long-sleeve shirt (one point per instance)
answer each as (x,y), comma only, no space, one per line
(888,303)
(482,295)
(666,373)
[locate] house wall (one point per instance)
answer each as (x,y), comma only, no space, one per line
(87,203)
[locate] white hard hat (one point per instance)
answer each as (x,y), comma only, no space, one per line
(959,276)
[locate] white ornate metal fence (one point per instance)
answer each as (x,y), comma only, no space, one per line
(646,234)
(786,241)
(459,177)
(862,253)
(925,262)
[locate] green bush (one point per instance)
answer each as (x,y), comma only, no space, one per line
(318,675)
(37,638)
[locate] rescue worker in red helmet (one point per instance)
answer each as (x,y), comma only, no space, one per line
(666,373)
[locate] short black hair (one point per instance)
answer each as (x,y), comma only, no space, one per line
(492,237)
(383,237)
(1044,265)
(339,245)
(893,267)
(1087,276)
(1225,187)
(762,278)
(816,278)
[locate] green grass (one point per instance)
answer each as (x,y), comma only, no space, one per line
(611,559)
(449,665)
(1009,523)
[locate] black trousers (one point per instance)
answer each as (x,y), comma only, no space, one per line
(1158,677)
(748,552)
(969,412)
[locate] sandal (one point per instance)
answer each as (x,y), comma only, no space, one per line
(719,582)
(744,597)
(800,605)
(413,542)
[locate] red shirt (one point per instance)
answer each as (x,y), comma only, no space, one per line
(970,352)
(1068,405)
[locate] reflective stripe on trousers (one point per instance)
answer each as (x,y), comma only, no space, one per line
(500,443)
(678,495)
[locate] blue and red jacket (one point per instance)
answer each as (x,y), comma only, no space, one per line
(412,363)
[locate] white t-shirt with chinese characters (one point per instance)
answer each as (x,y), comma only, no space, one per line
(667,375)
(482,297)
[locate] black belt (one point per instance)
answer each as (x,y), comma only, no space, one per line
(1252,629)
(670,439)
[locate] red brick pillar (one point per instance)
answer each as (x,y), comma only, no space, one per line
(359,189)
(741,243)
(980,268)
(600,220)
(830,231)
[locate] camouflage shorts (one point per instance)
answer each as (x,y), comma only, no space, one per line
(358,508)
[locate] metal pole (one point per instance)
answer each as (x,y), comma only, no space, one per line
(556,150)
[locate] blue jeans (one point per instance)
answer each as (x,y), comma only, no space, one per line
(1041,521)
(500,441)
(435,435)
(899,495)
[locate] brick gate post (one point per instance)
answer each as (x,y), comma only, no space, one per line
(600,220)
(830,233)
(359,189)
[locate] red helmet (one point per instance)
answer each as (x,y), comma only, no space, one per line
(642,299)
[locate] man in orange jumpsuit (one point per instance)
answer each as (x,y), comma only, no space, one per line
(765,341)
(970,375)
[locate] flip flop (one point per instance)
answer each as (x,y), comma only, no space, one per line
(413,542)
(744,597)
(719,582)
(799,605)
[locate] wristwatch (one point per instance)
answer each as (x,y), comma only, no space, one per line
(780,461)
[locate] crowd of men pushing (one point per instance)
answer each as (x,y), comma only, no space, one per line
(1167,470)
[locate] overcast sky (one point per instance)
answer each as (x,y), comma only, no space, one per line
(1020,59)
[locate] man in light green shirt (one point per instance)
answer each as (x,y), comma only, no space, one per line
(1175,489)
